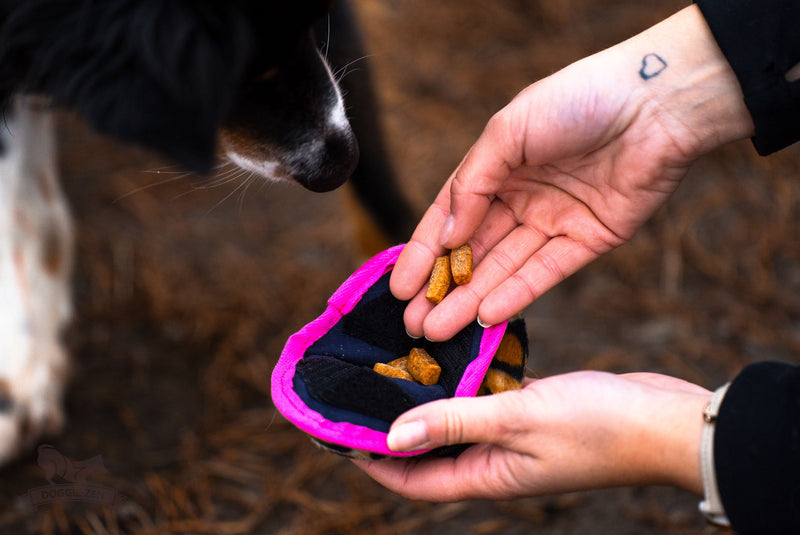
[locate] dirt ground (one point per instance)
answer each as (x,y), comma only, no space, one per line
(186,291)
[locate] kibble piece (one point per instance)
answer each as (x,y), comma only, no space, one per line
(496,381)
(461,264)
(401,363)
(509,350)
(423,368)
(391,371)
(439,283)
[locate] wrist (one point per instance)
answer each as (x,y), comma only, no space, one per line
(684,80)
(675,431)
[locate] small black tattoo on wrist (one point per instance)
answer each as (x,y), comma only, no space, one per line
(652,65)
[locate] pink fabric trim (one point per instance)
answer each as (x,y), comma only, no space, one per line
(341,302)
(476,370)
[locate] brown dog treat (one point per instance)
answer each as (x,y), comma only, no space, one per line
(496,381)
(391,371)
(423,368)
(461,264)
(439,283)
(401,363)
(509,350)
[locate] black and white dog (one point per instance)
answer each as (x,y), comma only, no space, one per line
(191,79)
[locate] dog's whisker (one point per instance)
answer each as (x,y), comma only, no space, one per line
(226,197)
(195,188)
(230,175)
(326,44)
(149,186)
(243,189)
(252,177)
(219,179)
(233,174)
(216,183)
(225,167)
(328,39)
(225,161)
(166,169)
(342,71)
(191,190)
(344,74)
(222,178)
(263,184)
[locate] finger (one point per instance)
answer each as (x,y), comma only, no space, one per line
(502,261)
(443,479)
(485,419)
(557,259)
(437,480)
(413,266)
(479,177)
(415,313)
(498,224)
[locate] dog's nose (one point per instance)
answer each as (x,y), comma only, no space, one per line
(333,165)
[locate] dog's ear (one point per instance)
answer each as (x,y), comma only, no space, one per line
(160,74)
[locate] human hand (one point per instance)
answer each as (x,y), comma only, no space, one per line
(570,169)
(578,431)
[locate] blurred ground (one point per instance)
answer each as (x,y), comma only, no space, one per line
(187,291)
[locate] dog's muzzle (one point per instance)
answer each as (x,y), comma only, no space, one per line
(333,164)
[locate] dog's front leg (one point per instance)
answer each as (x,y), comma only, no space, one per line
(35,264)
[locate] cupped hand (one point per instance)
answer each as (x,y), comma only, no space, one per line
(569,170)
(571,432)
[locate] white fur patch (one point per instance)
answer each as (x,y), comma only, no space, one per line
(267,169)
(35,264)
(337,117)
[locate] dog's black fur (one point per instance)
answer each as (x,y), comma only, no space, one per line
(186,76)
(373,180)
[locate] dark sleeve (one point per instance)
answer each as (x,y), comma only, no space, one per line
(761,40)
(757,450)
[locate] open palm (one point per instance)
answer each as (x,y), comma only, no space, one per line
(555,180)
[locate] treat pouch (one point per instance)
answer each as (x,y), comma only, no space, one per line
(324,381)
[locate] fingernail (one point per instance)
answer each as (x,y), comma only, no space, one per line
(412,336)
(447,230)
(406,437)
(482,323)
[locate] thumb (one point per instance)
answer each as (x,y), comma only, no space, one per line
(540,125)
(484,419)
